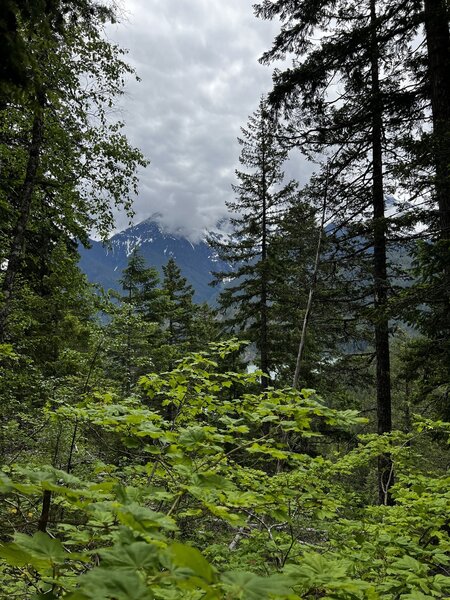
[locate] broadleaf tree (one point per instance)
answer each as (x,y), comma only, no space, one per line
(64,156)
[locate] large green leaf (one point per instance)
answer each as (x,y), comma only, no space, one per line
(40,551)
(130,558)
(143,519)
(18,557)
(108,584)
(212,481)
(192,437)
(191,559)
(249,586)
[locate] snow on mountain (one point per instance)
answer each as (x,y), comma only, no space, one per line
(104,263)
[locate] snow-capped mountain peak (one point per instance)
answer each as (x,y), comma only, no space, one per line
(103,264)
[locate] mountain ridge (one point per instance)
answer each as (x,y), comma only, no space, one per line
(103,263)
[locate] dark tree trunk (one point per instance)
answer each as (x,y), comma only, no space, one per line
(128,358)
(25,201)
(45,511)
(383,382)
(438,47)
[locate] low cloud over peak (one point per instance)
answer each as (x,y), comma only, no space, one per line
(200,80)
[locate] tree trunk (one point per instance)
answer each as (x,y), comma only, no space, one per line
(45,511)
(25,201)
(438,47)
(383,382)
(312,288)
(264,338)
(128,358)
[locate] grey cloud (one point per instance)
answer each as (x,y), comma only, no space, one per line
(197,60)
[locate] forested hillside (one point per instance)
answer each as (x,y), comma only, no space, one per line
(292,441)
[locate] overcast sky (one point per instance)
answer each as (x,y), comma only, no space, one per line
(200,80)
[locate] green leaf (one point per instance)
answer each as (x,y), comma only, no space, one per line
(107,584)
(416,595)
(40,551)
(191,437)
(16,556)
(143,519)
(253,587)
(130,558)
(6,485)
(188,557)
(407,563)
(212,481)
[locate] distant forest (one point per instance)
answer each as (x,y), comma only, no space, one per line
(290,442)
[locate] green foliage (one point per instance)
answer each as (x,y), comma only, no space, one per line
(135,470)
(152,324)
(212,504)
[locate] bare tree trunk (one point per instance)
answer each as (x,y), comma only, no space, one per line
(437,14)
(45,512)
(128,357)
(264,337)
(313,286)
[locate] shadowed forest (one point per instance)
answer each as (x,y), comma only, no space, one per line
(289,441)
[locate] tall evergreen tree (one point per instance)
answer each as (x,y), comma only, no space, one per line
(292,254)
(347,93)
(135,331)
(178,311)
(261,198)
(140,287)
(429,357)
(187,326)
(436,21)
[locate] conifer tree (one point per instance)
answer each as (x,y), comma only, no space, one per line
(54,327)
(135,334)
(347,94)
(187,326)
(63,158)
(429,357)
(261,198)
(292,258)
(140,285)
(178,310)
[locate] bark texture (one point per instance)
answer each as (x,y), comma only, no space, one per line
(438,48)
(381,284)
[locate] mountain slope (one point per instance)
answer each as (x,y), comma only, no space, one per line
(103,264)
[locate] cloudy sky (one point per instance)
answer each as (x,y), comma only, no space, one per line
(200,80)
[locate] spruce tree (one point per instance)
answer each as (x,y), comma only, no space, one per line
(140,287)
(292,253)
(347,96)
(429,357)
(178,310)
(187,326)
(135,331)
(261,198)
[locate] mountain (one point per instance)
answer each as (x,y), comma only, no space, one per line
(104,263)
